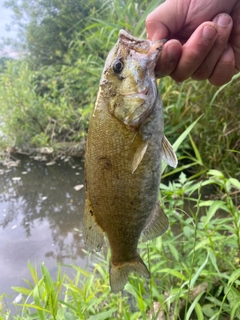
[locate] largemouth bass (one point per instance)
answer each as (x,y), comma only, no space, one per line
(125,148)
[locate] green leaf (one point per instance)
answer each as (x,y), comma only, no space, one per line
(216,205)
(174,251)
(197,274)
(195,306)
(215,173)
(196,151)
(233,296)
(182,178)
(33,272)
(78,269)
(213,260)
(37,301)
(234,182)
(103,315)
(208,310)
(199,313)
(235,310)
(234,276)
(205,243)
(22,290)
(174,273)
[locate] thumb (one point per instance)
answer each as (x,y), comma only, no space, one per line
(165,20)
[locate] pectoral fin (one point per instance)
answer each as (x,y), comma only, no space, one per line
(168,154)
(157,225)
(93,234)
(138,156)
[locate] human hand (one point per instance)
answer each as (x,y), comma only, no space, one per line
(204,39)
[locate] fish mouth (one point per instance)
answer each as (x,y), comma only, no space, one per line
(141,94)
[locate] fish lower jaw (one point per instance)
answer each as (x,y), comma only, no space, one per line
(140,95)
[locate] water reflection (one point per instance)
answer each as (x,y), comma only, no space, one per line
(40,215)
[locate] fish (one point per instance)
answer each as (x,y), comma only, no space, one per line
(124,152)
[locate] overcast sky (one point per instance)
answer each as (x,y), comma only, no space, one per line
(5,18)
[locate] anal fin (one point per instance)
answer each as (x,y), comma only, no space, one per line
(158,223)
(168,154)
(119,273)
(93,234)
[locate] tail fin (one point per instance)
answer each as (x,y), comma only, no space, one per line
(119,273)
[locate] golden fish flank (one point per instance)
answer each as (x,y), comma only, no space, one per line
(125,147)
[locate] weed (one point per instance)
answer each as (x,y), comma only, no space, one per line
(194,266)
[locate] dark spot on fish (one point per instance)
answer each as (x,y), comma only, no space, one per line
(94,200)
(106,162)
(121,77)
(113,94)
(91,212)
(89,228)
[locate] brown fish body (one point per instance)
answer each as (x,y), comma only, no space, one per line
(123,158)
(122,199)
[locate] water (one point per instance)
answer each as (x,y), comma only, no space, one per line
(41,215)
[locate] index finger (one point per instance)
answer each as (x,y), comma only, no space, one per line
(195,50)
(164,21)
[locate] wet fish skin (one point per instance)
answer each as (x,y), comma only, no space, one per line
(123,158)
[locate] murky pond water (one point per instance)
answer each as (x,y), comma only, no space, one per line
(41,214)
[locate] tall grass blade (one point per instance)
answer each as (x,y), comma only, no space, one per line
(216,205)
(196,151)
(197,274)
(193,305)
(199,313)
(37,300)
(222,88)
(103,315)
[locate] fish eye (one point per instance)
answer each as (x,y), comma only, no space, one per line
(117,66)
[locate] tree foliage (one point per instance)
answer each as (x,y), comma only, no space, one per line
(48,97)
(66,44)
(48,27)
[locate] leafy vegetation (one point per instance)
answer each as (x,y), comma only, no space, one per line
(47,96)
(194,267)
(46,100)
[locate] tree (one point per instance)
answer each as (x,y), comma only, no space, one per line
(46,28)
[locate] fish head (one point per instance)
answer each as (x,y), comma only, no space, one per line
(128,79)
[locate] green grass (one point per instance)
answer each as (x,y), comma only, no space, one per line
(194,266)
(217,134)
(51,106)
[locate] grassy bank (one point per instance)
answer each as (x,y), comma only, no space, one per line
(48,103)
(194,266)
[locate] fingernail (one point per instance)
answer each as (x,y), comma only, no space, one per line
(223,20)
(209,32)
